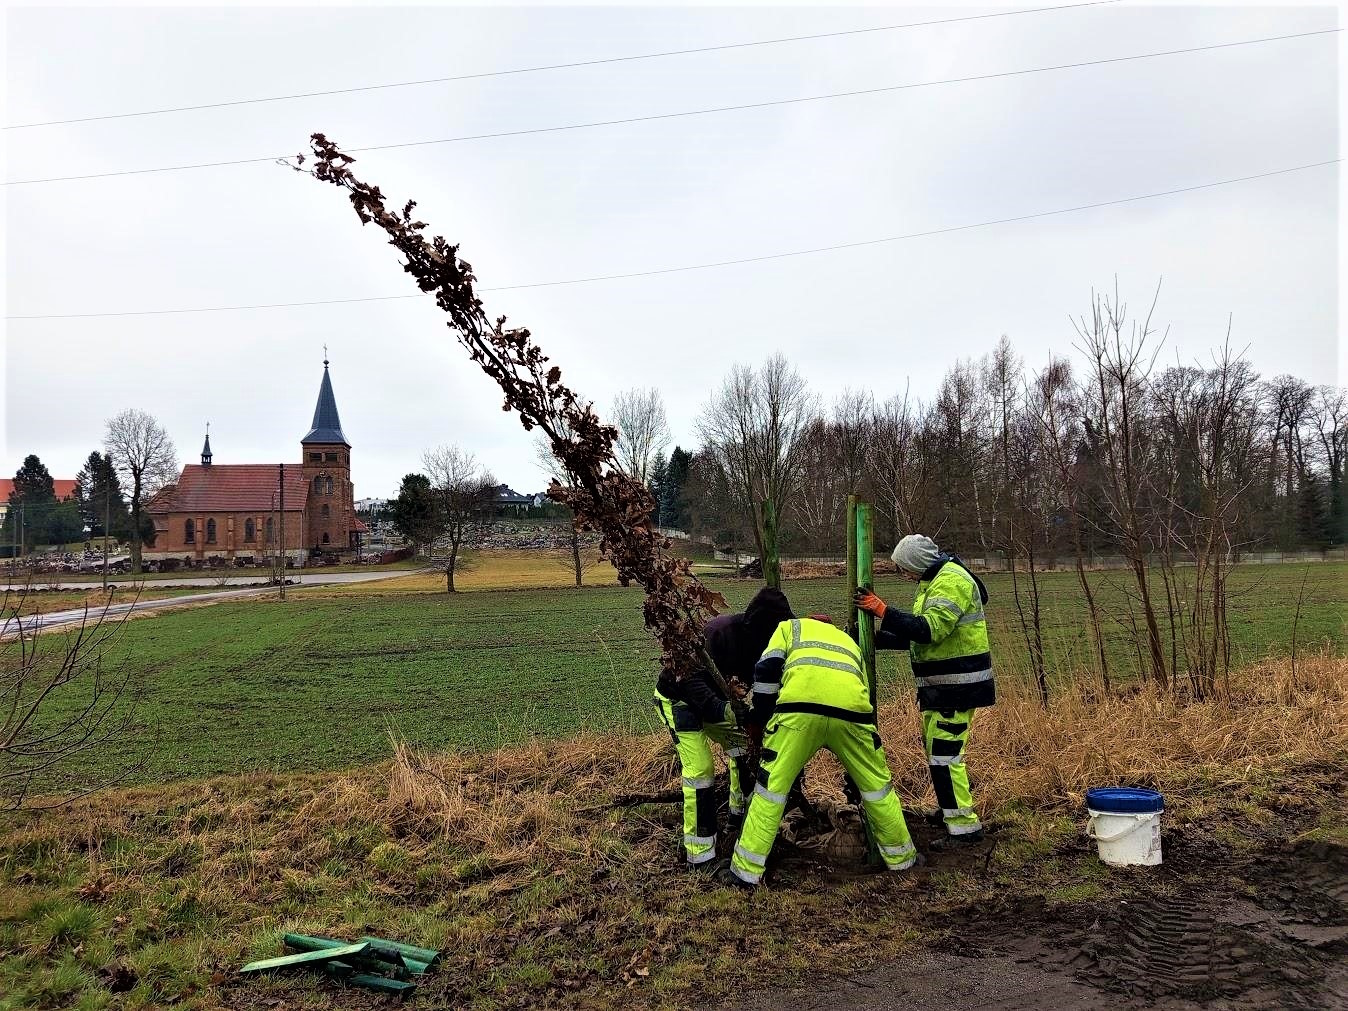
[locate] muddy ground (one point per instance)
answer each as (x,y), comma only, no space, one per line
(1210,929)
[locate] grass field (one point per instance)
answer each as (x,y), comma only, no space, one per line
(38,601)
(321,680)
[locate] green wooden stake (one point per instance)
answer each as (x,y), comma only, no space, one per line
(865,579)
(772,561)
(851,608)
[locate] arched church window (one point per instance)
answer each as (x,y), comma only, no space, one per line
(326,510)
(271,530)
(249,530)
(210,531)
(318,485)
(329,487)
(190,532)
(325,538)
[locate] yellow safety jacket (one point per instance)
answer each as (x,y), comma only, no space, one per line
(947,638)
(811,667)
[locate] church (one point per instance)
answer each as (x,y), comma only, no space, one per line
(230,512)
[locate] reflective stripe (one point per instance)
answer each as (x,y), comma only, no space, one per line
(699,840)
(898,851)
(767,687)
(971,617)
(746,876)
(795,633)
(832,648)
(700,783)
(702,858)
(877,794)
(940,680)
(945,603)
(736,752)
(902,866)
(963,829)
(945,760)
(773,654)
(957,812)
(749,857)
(814,661)
(766,794)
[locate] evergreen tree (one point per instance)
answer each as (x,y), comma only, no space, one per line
(31,505)
(414,511)
(98,493)
(64,525)
(659,475)
(673,507)
(1314,526)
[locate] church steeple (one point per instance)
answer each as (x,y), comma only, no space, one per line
(206,449)
(327,426)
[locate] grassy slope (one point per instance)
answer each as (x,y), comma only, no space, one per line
(319,681)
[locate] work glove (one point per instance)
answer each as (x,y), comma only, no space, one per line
(869,602)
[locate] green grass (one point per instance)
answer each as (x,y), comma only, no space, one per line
(321,680)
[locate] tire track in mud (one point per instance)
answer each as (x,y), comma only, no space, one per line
(1281,944)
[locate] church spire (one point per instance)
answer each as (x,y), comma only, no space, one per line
(206,449)
(327,426)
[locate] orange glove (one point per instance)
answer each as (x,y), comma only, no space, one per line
(869,602)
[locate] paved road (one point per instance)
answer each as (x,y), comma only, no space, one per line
(61,619)
(213,582)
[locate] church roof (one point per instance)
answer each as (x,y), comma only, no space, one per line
(231,487)
(327,426)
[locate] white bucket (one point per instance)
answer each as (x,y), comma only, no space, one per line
(1126,839)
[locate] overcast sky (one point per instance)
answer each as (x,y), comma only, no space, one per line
(639,196)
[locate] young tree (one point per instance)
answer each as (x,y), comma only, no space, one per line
(415,512)
(1121,359)
(141,450)
(464,490)
(643,431)
(555,471)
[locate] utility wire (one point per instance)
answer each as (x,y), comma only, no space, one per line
(722,263)
(554,66)
(691,112)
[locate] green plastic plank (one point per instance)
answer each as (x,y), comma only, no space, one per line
(380,951)
(427,956)
(370,981)
(308,958)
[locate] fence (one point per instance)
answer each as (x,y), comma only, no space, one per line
(1061,563)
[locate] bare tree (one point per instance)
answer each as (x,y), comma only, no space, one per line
(546,461)
(57,701)
(752,425)
(143,453)
(643,431)
(464,490)
(1121,359)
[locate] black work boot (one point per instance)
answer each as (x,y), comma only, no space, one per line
(727,876)
(950,842)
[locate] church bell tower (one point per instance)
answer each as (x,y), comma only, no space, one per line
(330,516)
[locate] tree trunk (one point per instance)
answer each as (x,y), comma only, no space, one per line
(575,552)
(135,525)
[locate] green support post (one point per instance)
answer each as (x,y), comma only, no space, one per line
(772,561)
(865,578)
(850,608)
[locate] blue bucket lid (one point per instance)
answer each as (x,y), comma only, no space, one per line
(1124,800)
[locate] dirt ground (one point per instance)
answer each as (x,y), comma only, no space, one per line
(1207,930)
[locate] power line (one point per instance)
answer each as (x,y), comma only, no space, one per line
(722,263)
(553,66)
(691,112)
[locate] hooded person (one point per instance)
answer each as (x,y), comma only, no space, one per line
(698,714)
(946,636)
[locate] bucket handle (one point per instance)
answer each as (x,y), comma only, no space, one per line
(1115,837)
